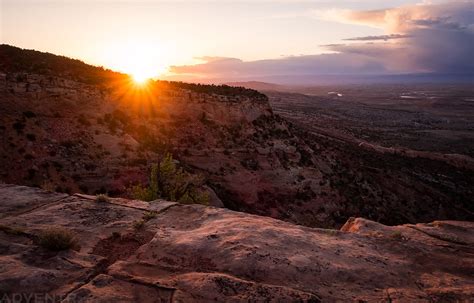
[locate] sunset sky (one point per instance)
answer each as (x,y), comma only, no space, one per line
(229,39)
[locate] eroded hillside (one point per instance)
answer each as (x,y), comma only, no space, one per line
(67,133)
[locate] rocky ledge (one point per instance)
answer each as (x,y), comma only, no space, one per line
(167,252)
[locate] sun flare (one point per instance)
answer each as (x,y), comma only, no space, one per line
(141,70)
(141,77)
(142,60)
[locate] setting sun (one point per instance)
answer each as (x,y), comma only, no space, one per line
(141,70)
(141,76)
(141,59)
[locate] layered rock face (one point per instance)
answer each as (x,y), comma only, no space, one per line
(193,253)
(68,136)
(70,127)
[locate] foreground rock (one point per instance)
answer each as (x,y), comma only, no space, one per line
(184,253)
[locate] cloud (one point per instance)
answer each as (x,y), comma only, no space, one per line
(449,15)
(436,38)
(381,37)
(215,59)
(296,65)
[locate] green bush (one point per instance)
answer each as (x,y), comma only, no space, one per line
(169,182)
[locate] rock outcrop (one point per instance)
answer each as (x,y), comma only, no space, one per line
(71,127)
(168,252)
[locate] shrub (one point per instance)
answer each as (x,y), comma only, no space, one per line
(139,224)
(101,198)
(205,120)
(83,120)
(149,215)
(250,164)
(169,182)
(47,185)
(57,239)
(16,231)
(397,235)
(143,193)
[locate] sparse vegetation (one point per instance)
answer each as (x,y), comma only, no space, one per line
(397,235)
(101,198)
(15,231)
(15,59)
(83,120)
(169,182)
(223,90)
(250,164)
(206,121)
(138,224)
(47,185)
(149,215)
(57,239)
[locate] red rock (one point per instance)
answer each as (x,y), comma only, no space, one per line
(201,254)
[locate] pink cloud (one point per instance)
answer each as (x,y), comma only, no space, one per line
(419,38)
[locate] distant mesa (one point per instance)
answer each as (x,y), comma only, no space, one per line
(258,85)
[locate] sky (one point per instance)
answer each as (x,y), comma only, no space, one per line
(235,39)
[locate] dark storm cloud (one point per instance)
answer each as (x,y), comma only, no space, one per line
(440,37)
(420,38)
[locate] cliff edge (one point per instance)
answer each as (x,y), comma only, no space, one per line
(167,252)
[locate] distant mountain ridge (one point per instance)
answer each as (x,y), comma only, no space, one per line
(282,82)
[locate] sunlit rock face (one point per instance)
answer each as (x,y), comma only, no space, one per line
(195,253)
(77,128)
